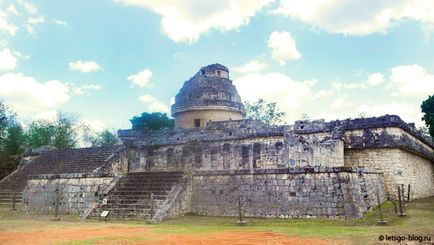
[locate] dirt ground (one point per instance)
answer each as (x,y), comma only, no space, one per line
(145,235)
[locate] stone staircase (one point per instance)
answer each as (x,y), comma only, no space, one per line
(82,161)
(130,198)
(6,197)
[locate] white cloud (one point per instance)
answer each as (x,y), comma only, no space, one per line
(179,55)
(84,66)
(85,89)
(141,79)
(5,25)
(59,22)
(412,80)
(29,7)
(37,20)
(11,9)
(186,21)
(251,66)
(32,22)
(273,87)
(28,97)
(407,111)
(283,47)
(8,61)
(355,17)
(95,125)
(339,103)
(154,105)
(311,82)
(373,80)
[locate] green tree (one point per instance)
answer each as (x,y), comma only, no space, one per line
(39,133)
(11,141)
(105,138)
(152,121)
(4,122)
(61,133)
(428,110)
(66,129)
(14,141)
(305,117)
(264,111)
(362,115)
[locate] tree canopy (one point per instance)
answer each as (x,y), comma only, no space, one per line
(11,141)
(428,110)
(266,112)
(152,121)
(61,133)
(104,138)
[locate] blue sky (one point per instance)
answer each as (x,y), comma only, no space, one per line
(110,60)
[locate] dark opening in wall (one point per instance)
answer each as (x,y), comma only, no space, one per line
(196,123)
(256,154)
(170,157)
(198,157)
(226,156)
(245,157)
(279,146)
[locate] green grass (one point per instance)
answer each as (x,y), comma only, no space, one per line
(420,221)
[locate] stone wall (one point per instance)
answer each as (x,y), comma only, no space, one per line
(205,115)
(309,150)
(399,166)
(75,194)
(248,153)
(287,193)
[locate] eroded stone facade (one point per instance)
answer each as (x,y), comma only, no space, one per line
(310,169)
(209,96)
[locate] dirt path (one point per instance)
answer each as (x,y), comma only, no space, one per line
(144,235)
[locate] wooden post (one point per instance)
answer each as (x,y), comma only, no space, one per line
(13,200)
(401,207)
(56,206)
(240,212)
(151,210)
(393,202)
(408,193)
(382,221)
(403,195)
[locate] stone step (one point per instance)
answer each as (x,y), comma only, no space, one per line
(139,193)
(146,187)
(130,198)
(148,181)
(9,196)
(134,196)
(124,213)
(166,173)
(8,200)
(127,206)
(133,200)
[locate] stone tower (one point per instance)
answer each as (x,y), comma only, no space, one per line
(208,96)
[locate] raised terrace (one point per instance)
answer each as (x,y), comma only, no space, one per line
(310,169)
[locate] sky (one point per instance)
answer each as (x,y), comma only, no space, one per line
(108,61)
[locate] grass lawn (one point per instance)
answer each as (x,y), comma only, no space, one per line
(420,222)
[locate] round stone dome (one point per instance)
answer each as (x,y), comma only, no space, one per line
(208,96)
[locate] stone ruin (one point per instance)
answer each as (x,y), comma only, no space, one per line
(307,170)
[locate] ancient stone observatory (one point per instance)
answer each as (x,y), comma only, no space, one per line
(207,96)
(309,169)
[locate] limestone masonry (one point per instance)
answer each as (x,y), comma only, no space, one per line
(310,169)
